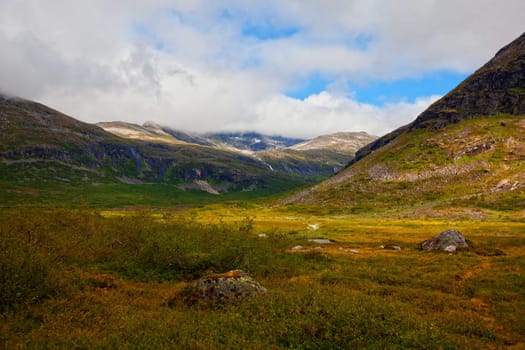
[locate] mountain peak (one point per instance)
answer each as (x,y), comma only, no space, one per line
(497,87)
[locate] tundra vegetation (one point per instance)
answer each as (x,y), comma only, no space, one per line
(91,278)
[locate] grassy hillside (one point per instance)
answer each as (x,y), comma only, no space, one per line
(471,166)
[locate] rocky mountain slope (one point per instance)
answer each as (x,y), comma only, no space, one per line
(466,151)
(41,147)
(316,159)
(250,141)
(148,132)
(342,142)
(497,87)
(39,144)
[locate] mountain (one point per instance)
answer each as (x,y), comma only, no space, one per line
(41,146)
(251,141)
(342,142)
(148,132)
(466,151)
(314,159)
(497,87)
(322,156)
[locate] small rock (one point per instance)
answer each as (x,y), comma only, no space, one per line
(321,241)
(263,235)
(297,247)
(228,286)
(392,247)
(318,248)
(354,251)
(340,248)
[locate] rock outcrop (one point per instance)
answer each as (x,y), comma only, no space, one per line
(448,241)
(229,286)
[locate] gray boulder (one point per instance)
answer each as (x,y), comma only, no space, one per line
(449,241)
(228,286)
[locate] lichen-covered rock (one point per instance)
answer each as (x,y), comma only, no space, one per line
(228,286)
(449,240)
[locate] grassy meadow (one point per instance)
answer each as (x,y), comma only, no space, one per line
(87,278)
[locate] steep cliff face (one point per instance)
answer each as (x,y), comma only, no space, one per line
(497,87)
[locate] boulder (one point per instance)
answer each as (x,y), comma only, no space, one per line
(228,286)
(449,241)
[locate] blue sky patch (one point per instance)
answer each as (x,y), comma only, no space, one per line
(267,31)
(380,93)
(408,89)
(313,84)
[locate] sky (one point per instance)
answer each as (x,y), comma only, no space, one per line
(298,68)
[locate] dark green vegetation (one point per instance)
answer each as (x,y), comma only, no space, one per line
(77,278)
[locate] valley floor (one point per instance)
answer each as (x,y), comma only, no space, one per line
(116,279)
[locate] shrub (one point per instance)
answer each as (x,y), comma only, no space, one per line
(27,271)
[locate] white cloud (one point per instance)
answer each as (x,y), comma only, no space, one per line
(186,63)
(326,113)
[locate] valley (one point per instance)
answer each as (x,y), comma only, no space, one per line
(107,230)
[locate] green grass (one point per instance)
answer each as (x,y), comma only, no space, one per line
(106,194)
(425,172)
(78,278)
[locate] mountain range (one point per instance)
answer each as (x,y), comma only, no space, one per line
(43,146)
(464,155)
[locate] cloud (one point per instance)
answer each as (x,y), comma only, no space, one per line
(326,113)
(202,66)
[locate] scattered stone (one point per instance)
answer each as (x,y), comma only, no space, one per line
(446,240)
(354,251)
(228,286)
(321,241)
(391,247)
(297,247)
